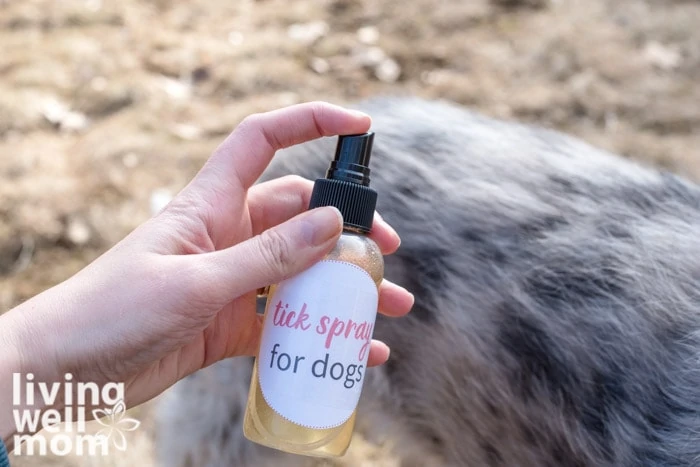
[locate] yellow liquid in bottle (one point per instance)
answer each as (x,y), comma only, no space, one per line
(265,426)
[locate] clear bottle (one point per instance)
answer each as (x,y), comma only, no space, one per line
(318,325)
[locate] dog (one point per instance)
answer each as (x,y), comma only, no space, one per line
(557,311)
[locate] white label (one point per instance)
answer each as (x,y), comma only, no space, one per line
(315,344)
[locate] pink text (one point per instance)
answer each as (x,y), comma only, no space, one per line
(334,327)
(284,317)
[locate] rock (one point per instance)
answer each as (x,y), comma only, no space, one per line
(60,116)
(369,56)
(385,68)
(130,160)
(78,232)
(186,132)
(159,200)
(176,89)
(664,57)
(368,35)
(103,98)
(319,65)
(307,33)
(388,70)
(235,38)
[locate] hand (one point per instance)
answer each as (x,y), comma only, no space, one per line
(177,294)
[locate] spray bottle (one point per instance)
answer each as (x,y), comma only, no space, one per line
(318,325)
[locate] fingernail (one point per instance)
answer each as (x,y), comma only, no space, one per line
(320,225)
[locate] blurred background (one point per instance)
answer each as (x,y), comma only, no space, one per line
(107,108)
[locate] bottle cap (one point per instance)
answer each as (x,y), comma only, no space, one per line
(346,185)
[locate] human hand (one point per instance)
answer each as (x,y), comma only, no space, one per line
(178,294)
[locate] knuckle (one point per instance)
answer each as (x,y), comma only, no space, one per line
(257,125)
(318,106)
(186,284)
(251,122)
(200,286)
(276,251)
(296,182)
(319,112)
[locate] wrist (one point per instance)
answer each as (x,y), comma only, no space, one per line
(10,364)
(23,351)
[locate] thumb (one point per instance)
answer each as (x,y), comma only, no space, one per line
(274,255)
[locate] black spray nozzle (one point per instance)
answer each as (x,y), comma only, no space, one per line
(346,185)
(351,161)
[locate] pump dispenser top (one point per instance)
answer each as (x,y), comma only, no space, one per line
(346,185)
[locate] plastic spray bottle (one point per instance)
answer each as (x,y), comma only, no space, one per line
(318,325)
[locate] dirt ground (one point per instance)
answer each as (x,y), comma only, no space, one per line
(107,108)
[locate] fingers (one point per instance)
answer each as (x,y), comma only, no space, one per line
(274,255)
(384,235)
(278,200)
(242,157)
(394,300)
(378,353)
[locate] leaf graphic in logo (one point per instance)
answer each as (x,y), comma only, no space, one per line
(119,440)
(116,425)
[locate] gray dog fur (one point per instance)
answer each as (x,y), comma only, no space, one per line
(557,305)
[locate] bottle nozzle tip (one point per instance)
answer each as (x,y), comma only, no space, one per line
(351,161)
